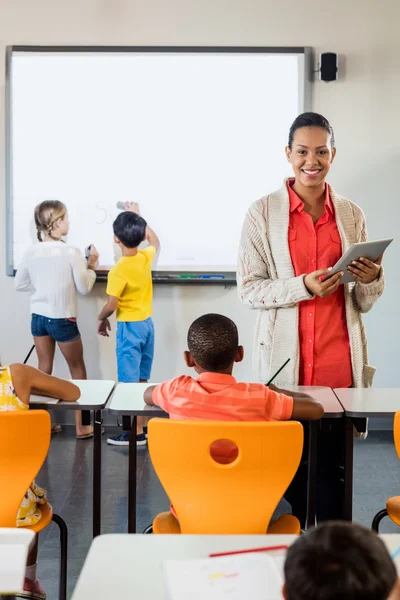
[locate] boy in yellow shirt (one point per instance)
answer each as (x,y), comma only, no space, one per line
(130,293)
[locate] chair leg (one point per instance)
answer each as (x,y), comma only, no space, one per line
(378,518)
(64,554)
(149,529)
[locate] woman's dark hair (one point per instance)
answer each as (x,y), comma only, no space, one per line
(339,561)
(310,119)
(130,229)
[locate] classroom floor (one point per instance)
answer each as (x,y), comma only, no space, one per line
(67,475)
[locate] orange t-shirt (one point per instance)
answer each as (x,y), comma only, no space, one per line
(324,340)
(219,397)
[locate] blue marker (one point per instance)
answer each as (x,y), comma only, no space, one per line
(212,277)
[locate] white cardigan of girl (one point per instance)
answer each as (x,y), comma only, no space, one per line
(267,283)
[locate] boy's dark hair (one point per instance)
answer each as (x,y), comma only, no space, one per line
(311,119)
(213,341)
(339,561)
(130,229)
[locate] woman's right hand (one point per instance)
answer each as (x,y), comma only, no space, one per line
(93,257)
(316,287)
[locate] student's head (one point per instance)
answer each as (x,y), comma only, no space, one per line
(339,561)
(213,343)
(311,148)
(51,220)
(129,229)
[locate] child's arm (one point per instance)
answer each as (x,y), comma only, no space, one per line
(152,238)
(103,325)
(23,281)
(306,409)
(148,395)
(28,380)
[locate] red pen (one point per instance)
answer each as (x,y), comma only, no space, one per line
(266,549)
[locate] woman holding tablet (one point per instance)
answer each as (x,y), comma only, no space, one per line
(290,240)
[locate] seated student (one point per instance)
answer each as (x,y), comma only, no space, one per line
(339,561)
(213,344)
(17,382)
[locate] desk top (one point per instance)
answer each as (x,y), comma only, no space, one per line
(121,564)
(369,402)
(14,545)
(323,395)
(94,395)
(128,400)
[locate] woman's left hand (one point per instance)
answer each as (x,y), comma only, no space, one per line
(364,270)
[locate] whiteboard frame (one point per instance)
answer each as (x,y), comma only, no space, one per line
(305,94)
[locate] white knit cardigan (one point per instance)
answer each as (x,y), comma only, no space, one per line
(267,283)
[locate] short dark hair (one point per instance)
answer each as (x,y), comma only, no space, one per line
(339,561)
(213,341)
(130,229)
(311,119)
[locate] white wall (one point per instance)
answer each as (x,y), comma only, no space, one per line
(363,107)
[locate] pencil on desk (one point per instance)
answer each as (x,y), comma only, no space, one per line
(249,550)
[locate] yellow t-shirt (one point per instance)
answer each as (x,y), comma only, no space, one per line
(130,281)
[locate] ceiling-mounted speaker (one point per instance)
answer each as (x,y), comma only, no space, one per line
(328,66)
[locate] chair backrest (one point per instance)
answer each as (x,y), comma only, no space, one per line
(24,443)
(239,497)
(396,432)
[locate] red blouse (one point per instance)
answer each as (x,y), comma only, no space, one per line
(324,340)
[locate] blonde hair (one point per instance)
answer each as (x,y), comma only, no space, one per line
(46,214)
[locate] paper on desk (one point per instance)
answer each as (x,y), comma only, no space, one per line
(254,576)
(12,567)
(34,399)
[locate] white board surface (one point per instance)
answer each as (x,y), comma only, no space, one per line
(193,137)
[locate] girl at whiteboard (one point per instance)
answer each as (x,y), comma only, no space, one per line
(290,239)
(55,272)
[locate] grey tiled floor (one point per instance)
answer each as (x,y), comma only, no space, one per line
(67,477)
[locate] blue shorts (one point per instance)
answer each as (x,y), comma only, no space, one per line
(135,350)
(61,330)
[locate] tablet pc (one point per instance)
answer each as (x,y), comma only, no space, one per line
(370,250)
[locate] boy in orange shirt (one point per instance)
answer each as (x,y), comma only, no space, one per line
(213,344)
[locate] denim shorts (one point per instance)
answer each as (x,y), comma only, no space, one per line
(61,330)
(135,350)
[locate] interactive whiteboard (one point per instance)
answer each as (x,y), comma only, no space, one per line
(194,135)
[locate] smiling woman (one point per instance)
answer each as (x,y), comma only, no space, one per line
(291,238)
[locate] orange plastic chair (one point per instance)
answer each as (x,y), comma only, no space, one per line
(236,498)
(24,443)
(392,509)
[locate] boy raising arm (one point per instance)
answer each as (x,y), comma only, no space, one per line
(130,294)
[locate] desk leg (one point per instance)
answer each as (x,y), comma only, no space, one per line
(132,478)
(348,471)
(312,474)
(97,473)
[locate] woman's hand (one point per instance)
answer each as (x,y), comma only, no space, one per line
(364,270)
(315,286)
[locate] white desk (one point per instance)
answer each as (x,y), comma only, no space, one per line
(14,546)
(122,565)
(128,400)
(325,396)
(369,402)
(362,403)
(94,396)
